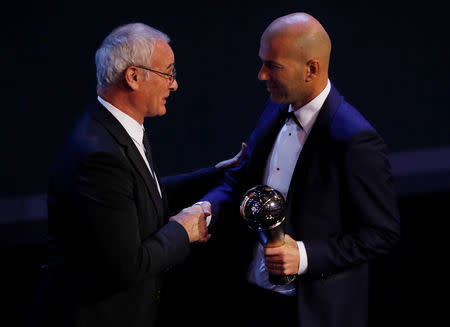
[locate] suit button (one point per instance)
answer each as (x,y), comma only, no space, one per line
(158,294)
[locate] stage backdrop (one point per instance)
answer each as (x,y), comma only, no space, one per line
(389,59)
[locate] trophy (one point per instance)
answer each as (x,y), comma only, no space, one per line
(263,208)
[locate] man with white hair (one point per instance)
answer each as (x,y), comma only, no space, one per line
(111,234)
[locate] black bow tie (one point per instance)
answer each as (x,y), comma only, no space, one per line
(291,115)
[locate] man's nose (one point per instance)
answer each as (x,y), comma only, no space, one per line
(174,85)
(263,75)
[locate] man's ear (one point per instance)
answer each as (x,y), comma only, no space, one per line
(132,77)
(313,69)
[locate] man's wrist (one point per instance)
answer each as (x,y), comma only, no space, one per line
(208,218)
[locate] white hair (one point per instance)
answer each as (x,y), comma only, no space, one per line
(127,45)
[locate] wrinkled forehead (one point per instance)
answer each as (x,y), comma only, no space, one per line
(162,54)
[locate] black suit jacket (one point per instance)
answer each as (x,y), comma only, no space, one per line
(110,239)
(341,204)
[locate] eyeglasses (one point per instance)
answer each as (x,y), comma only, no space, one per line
(172,76)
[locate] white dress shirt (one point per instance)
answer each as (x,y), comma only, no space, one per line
(134,129)
(278,173)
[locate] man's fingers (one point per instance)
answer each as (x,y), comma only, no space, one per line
(204,239)
(276,270)
(273,260)
(206,207)
(243,148)
(273,251)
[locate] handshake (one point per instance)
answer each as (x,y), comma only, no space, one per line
(193,219)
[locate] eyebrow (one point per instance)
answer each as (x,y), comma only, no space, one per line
(271,62)
(268,61)
(172,64)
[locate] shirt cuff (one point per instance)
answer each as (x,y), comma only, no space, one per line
(303,262)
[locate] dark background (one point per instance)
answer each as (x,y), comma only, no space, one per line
(389,59)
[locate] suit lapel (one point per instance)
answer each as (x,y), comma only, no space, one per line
(314,153)
(104,117)
(319,135)
(264,138)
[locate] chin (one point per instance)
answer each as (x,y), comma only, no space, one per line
(162,111)
(277,99)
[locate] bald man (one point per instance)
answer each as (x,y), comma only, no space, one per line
(332,168)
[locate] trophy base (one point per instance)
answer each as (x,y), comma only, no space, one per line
(281,279)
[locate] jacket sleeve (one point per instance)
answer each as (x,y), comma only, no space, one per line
(183,190)
(228,193)
(105,225)
(371,208)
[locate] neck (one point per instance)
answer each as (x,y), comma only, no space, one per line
(121,100)
(311,95)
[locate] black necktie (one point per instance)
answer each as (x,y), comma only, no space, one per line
(148,155)
(291,114)
(148,152)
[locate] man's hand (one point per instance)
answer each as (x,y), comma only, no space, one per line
(206,207)
(193,219)
(283,260)
(233,162)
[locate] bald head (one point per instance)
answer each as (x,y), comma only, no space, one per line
(295,51)
(306,37)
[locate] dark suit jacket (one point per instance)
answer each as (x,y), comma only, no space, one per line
(110,239)
(340,203)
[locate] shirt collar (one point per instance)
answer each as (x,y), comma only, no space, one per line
(307,114)
(133,128)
